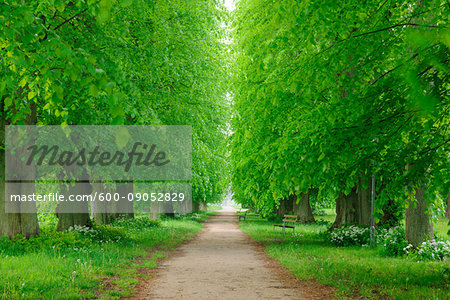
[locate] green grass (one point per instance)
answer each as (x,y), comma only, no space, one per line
(353,271)
(329,216)
(213,207)
(89,269)
(441,227)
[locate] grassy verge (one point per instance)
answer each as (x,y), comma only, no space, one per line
(353,271)
(214,207)
(72,265)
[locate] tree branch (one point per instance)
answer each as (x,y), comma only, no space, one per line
(70,19)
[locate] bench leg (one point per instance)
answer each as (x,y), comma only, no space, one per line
(293,230)
(284,230)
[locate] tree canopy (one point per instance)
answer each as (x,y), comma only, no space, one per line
(327,92)
(120,62)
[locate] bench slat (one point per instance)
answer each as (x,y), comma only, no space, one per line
(287,219)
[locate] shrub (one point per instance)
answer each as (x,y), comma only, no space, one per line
(349,236)
(273,218)
(45,241)
(326,223)
(430,250)
(100,233)
(392,241)
(392,214)
(136,223)
(319,213)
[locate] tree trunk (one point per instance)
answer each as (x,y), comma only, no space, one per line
(168,209)
(351,211)
(101,210)
(418,224)
(124,208)
(354,208)
(195,206)
(71,213)
(364,200)
(74,213)
(447,211)
(339,211)
(203,206)
(347,209)
(184,207)
(155,210)
(285,206)
(302,208)
(12,224)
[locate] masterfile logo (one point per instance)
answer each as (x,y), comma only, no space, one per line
(104,152)
(120,169)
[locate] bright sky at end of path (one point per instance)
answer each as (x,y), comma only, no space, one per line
(229,4)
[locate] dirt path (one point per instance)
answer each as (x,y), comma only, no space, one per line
(221,263)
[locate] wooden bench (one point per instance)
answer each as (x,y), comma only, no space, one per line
(289,221)
(244,215)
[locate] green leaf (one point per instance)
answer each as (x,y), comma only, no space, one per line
(126,3)
(31,95)
(23,82)
(8,101)
(93,90)
(117,121)
(322,156)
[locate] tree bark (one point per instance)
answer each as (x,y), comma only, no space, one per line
(12,224)
(364,200)
(168,209)
(418,224)
(339,211)
(351,208)
(155,210)
(347,209)
(302,208)
(354,208)
(286,206)
(71,213)
(124,208)
(101,210)
(195,206)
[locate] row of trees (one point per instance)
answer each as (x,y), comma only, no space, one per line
(116,62)
(328,94)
